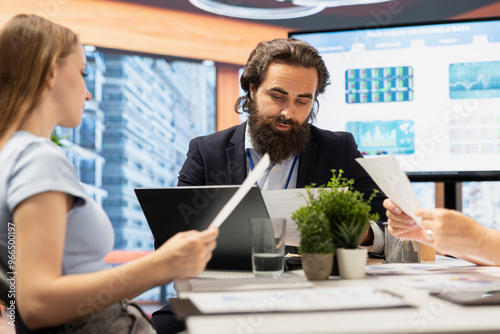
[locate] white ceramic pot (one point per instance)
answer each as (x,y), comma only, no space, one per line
(351,263)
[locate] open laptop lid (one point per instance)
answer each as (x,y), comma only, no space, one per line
(172,210)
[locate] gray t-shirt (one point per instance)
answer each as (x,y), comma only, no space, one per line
(31,165)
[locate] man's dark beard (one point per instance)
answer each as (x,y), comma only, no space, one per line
(280,145)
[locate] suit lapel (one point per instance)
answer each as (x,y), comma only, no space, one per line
(236,158)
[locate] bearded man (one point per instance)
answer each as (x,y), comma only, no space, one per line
(282,81)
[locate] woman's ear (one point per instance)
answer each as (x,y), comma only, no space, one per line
(51,77)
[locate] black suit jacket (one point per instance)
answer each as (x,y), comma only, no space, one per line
(220,159)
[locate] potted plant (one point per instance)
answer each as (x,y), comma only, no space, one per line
(56,139)
(348,214)
(316,244)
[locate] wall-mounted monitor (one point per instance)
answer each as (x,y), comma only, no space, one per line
(427,93)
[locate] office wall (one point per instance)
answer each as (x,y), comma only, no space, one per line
(141,28)
(485,11)
(145,29)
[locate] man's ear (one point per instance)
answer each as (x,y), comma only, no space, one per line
(252,91)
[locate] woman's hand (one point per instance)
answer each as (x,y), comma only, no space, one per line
(186,254)
(452,232)
(400,224)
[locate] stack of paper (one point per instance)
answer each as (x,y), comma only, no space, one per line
(241,284)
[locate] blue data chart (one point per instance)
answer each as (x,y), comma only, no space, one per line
(474,80)
(384,137)
(385,84)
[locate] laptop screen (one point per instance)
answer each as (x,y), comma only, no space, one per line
(172,210)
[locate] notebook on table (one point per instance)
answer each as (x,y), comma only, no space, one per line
(175,209)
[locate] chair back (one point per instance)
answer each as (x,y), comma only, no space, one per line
(5,285)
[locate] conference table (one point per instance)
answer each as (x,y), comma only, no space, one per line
(416,284)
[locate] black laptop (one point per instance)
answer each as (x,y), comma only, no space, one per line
(172,210)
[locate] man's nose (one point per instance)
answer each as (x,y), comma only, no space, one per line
(288,111)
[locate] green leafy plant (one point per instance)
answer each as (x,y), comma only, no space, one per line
(346,210)
(315,232)
(57,139)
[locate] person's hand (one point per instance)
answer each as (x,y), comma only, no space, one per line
(452,232)
(367,237)
(186,254)
(400,224)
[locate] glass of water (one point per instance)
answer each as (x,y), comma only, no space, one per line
(268,246)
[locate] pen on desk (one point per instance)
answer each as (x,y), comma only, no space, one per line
(388,292)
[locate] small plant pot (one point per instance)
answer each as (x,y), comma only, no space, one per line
(352,263)
(317,266)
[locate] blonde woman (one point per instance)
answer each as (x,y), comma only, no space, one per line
(61,234)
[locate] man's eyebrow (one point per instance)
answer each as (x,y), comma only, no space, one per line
(279,90)
(306,95)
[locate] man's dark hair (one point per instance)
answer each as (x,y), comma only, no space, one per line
(289,51)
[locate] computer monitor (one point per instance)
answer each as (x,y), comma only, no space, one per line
(427,93)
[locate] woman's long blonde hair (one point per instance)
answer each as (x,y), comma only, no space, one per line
(30,46)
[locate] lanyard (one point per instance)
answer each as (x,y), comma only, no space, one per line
(291,169)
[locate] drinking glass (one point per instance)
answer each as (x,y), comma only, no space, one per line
(268,246)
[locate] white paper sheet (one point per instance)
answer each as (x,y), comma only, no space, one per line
(387,174)
(295,300)
(245,187)
(475,279)
(281,204)
(423,268)
(245,284)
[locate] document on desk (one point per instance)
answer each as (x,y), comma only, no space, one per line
(423,268)
(281,204)
(468,280)
(293,300)
(387,174)
(245,284)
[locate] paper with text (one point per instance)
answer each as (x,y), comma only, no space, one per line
(296,300)
(387,174)
(281,204)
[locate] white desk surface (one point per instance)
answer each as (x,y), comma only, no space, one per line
(432,315)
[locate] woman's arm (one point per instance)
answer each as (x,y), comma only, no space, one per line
(46,298)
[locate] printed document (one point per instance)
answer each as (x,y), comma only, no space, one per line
(387,174)
(293,300)
(281,204)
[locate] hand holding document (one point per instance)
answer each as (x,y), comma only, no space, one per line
(251,179)
(387,174)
